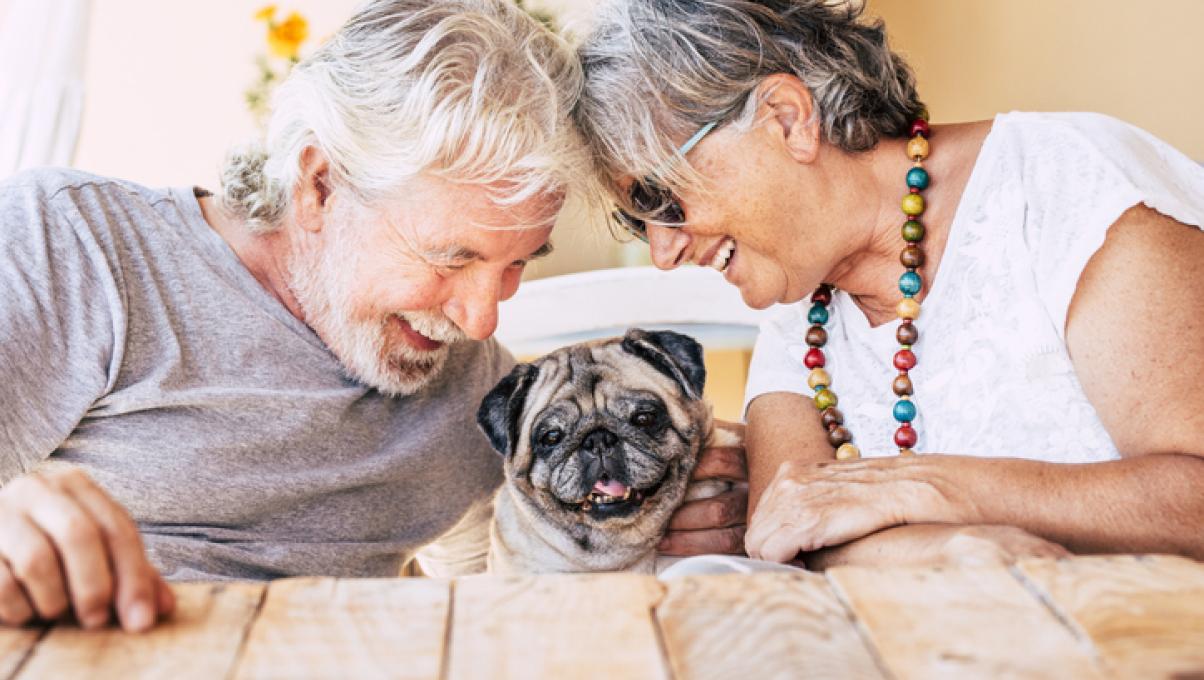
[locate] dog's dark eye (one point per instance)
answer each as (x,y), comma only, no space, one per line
(551,437)
(643,419)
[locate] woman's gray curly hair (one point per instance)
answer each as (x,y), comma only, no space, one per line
(474,91)
(657,70)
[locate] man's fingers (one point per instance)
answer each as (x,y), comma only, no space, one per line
(722,463)
(136,588)
(165,596)
(728,541)
(15,608)
(35,564)
(728,509)
(780,546)
(81,550)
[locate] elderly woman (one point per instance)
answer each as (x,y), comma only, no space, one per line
(1008,310)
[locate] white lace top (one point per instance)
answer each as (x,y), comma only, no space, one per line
(993,376)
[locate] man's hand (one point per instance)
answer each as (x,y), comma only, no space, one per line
(66,546)
(716,524)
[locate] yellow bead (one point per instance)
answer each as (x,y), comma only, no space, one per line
(906,452)
(825,399)
(847,452)
(917,148)
(913,204)
(819,377)
(908,308)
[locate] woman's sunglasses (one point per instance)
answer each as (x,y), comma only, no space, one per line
(651,198)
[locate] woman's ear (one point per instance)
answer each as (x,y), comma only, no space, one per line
(786,105)
(311,197)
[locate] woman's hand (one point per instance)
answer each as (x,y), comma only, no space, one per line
(937,545)
(714,523)
(809,506)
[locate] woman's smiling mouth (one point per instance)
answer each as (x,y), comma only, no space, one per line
(723,255)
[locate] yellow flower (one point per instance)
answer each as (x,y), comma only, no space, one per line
(285,38)
(266,13)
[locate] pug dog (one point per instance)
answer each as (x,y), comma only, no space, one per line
(599,440)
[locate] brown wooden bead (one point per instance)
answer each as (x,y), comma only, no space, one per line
(902,385)
(907,333)
(832,416)
(839,435)
(817,336)
(912,256)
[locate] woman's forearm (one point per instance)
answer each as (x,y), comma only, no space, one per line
(1152,503)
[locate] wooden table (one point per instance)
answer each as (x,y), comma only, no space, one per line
(1129,617)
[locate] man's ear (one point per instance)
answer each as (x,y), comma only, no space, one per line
(787,106)
(677,356)
(501,411)
(312,193)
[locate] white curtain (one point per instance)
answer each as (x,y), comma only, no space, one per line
(41,81)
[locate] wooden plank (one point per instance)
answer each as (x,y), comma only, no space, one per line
(15,646)
(960,623)
(201,640)
(355,628)
(1145,615)
(555,626)
(760,626)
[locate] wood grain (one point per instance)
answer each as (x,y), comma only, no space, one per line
(760,626)
(355,628)
(15,644)
(965,623)
(1145,616)
(555,626)
(201,640)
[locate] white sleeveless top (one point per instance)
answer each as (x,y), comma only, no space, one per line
(993,376)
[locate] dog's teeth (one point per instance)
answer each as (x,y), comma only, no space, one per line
(627,496)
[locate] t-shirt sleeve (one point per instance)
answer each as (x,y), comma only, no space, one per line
(57,322)
(777,360)
(1081,173)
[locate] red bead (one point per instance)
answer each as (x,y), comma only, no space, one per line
(822,295)
(905,360)
(905,437)
(815,358)
(920,127)
(914,190)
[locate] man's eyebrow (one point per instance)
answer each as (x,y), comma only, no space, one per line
(543,251)
(457,253)
(452,253)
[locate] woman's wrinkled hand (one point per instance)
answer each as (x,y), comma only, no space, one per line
(809,506)
(715,522)
(992,545)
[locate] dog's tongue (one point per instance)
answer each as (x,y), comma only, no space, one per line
(610,487)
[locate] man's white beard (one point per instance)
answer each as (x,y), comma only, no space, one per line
(322,287)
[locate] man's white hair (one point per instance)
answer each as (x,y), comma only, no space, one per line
(474,91)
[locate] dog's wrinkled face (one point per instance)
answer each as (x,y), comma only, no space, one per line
(602,437)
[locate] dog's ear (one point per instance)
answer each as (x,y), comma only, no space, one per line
(677,356)
(502,409)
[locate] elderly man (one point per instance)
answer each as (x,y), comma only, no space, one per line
(282,380)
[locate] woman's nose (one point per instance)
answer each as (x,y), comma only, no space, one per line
(667,245)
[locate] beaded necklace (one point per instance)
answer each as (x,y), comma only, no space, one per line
(908,310)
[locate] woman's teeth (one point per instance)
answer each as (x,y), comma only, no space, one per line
(723,256)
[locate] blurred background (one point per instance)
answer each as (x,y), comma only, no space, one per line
(155,92)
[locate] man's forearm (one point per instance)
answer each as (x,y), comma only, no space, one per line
(1151,503)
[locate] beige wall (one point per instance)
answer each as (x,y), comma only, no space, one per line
(1139,61)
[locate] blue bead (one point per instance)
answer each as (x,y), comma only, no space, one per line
(818,314)
(905,411)
(910,283)
(917,178)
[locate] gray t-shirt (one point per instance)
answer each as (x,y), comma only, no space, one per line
(134,344)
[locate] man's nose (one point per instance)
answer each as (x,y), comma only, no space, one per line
(474,308)
(668,246)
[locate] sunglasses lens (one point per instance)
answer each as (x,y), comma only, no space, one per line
(631,224)
(650,197)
